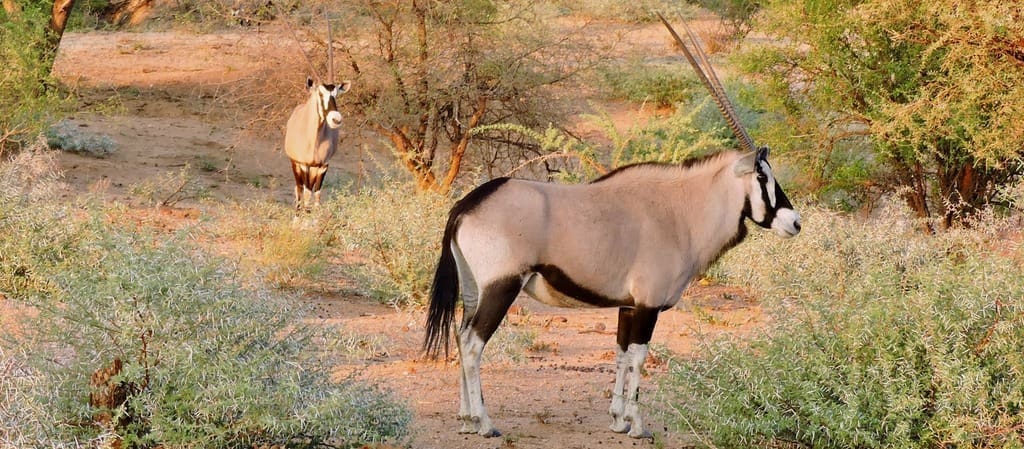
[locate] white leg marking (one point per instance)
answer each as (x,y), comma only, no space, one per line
(306,196)
(619,424)
(473,348)
(636,354)
(464,416)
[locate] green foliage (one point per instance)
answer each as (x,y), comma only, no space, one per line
(633,11)
(931,89)
(663,86)
(879,337)
(207,361)
(738,14)
(398,231)
(28,100)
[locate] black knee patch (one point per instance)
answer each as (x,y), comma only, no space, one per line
(636,326)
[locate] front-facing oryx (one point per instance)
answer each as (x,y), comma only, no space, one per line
(311,138)
(632,239)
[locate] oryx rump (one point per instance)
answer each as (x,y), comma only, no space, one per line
(633,239)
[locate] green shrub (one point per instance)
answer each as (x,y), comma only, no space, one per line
(64,135)
(879,337)
(661,85)
(28,100)
(398,232)
(207,362)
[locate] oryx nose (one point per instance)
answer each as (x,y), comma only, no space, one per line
(796,225)
(334,117)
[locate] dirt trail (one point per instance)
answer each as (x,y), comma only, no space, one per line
(555,397)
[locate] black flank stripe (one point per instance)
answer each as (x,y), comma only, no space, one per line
(566,286)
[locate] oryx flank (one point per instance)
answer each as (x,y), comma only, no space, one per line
(312,138)
(632,239)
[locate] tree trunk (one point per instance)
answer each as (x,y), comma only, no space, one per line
(60,13)
(459,150)
(917,195)
(58,20)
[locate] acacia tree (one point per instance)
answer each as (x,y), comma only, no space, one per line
(431,71)
(934,89)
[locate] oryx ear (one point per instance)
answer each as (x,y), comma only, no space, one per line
(309,82)
(343,87)
(745,164)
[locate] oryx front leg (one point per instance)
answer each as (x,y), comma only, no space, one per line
(635,329)
(299,172)
(317,181)
(619,423)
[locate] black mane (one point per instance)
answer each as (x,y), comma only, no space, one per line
(692,162)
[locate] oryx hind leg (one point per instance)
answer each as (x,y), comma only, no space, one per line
(470,295)
(477,328)
(636,326)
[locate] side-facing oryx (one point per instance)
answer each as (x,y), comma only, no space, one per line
(632,239)
(311,138)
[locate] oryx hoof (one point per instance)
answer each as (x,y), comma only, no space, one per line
(490,433)
(641,433)
(619,426)
(468,425)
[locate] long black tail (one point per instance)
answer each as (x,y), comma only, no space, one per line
(444,292)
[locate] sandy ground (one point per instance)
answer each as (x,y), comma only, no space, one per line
(556,396)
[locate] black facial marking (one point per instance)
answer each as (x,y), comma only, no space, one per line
(566,286)
(494,303)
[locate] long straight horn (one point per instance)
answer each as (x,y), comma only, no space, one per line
(330,50)
(712,83)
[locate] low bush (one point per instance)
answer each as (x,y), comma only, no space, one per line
(879,337)
(64,135)
(272,243)
(398,231)
(141,337)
